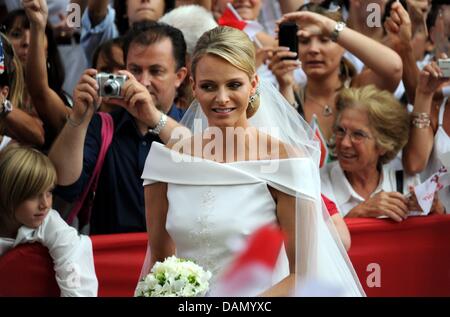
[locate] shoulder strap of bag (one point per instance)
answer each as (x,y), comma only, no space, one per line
(399,180)
(106,134)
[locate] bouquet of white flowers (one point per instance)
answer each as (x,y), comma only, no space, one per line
(174,278)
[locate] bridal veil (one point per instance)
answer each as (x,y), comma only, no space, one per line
(321,258)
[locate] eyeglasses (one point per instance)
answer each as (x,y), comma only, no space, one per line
(356,137)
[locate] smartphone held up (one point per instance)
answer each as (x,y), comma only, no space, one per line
(287,37)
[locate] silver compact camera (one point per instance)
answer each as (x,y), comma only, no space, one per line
(444,66)
(110,85)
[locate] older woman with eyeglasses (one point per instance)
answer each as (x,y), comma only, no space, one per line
(370,128)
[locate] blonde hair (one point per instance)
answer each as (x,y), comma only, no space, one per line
(24,173)
(232,45)
(388,119)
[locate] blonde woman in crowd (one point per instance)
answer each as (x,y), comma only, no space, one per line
(371,128)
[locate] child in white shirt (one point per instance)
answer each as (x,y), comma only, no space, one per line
(27,178)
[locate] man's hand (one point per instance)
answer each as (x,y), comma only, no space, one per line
(37,12)
(85,97)
(137,101)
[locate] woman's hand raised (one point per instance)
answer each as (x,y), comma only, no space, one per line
(37,12)
(398,27)
(310,23)
(430,79)
(282,65)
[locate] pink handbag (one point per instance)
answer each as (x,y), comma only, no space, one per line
(83,205)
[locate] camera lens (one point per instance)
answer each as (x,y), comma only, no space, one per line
(108,89)
(111,88)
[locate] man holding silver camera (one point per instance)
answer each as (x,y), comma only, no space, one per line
(146,92)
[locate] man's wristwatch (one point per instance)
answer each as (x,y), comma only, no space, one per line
(337,29)
(5,108)
(161,124)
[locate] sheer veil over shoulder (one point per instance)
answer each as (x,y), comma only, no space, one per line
(320,256)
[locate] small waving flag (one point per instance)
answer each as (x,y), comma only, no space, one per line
(232,19)
(251,272)
(425,192)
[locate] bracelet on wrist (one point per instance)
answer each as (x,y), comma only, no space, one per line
(72,122)
(420,115)
(420,123)
(160,125)
(338,27)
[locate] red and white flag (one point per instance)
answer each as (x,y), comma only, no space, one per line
(426,191)
(323,144)
(232,19)
(251,272)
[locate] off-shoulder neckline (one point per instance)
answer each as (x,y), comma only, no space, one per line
(162,146)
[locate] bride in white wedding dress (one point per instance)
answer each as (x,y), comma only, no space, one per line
(252,162)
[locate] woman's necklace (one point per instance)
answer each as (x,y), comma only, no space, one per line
(326,109)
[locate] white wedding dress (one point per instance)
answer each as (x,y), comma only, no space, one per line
(212,205)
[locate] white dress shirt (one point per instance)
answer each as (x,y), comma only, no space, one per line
(71,253)
(336,186)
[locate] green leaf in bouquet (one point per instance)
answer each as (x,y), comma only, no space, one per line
(161,278)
